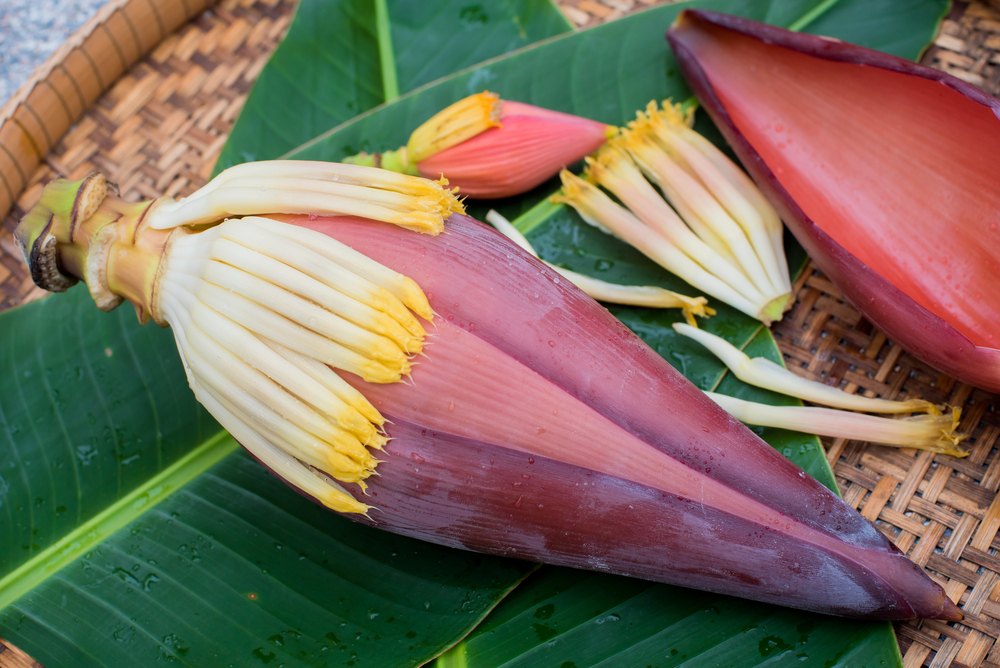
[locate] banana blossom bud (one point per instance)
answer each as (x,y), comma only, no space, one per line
(492,148)
(535,424)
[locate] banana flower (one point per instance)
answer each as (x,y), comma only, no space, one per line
(490,148)
(711,226)
(415,369)
(885,171)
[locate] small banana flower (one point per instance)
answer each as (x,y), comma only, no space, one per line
(535,425)
(491,148)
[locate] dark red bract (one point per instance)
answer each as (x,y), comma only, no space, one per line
(536,425)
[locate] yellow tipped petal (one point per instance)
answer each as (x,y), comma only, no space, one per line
(599,210)
(329,378)
(402,287)
(657,166)
(268,324)
(287,467)
(254,413)
(453,125)
(615,170)
(757,222)
(305,286)
(923,432)
(729,186)
(310,261)
(294,187)
(308,314)
(764,373)
(245,346)
(686,192)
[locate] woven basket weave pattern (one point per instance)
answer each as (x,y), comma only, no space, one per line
(160,126)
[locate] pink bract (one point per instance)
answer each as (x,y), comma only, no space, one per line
(529,147)
(885,171)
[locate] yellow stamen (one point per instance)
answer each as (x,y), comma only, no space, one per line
(264,322)
(323,374)
(615,170)
(285,465)
(310,261)
(453,125)
(599,210)
(293,187)
(729,187)
(305,286)
(247,347)
(404,288)
(306,313)
(687,194)
(268,422)
(922,432)
(657,166)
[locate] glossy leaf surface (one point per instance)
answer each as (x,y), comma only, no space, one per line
(633,67)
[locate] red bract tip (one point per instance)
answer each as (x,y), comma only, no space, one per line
(490,148)
(884,170)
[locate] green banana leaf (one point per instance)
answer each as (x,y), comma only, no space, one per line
(133,530)
(342,58)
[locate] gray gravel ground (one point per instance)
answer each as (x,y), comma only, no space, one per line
(30,30)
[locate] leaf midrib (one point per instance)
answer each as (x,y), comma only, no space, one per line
(386,55)
(91,533)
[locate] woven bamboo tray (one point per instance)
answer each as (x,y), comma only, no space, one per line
(148,90)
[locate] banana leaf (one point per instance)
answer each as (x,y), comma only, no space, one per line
(342,58)
(134,531)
